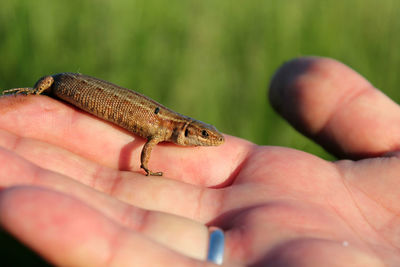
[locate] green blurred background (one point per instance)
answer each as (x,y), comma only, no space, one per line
(209,59)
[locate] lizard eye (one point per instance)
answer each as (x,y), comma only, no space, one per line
(204,133)
(186,132)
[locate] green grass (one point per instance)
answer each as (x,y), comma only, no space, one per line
(208,59)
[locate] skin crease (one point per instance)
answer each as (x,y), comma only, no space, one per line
(278,206)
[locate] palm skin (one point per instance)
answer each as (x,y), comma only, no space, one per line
(73,190)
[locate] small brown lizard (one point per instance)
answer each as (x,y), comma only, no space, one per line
(128,109)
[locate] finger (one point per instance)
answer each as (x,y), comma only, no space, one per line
(48,222)
(54,158)
(337,107)
(154,193)
(56,123)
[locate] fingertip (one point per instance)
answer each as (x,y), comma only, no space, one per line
(281,84)
(307,90)
(14,202)
(284,90)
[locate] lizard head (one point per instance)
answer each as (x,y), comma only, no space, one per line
(197,133)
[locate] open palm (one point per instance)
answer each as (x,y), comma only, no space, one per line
(74,191)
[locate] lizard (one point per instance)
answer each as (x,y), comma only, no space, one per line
(128,109)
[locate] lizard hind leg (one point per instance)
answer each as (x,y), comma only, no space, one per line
(18,91)
(42,85)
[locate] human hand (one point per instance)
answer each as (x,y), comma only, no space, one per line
(71,194)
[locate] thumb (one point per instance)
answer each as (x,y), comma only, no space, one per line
(335,106)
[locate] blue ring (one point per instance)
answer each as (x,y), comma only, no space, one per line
(216,246)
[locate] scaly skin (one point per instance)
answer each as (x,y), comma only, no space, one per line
(128,109)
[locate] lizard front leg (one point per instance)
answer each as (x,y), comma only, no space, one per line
(145,156)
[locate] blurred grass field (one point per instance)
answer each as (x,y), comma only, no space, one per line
(211,60)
